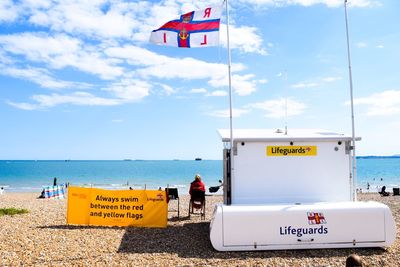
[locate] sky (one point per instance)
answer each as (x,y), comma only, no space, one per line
(80,79)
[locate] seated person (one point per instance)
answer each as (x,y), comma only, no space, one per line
(197,184)
(42,194)
(383,192)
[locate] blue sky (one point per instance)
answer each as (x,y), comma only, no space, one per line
(81,81)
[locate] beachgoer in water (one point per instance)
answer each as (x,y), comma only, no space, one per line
(367,186)
(55,181)
(197,184)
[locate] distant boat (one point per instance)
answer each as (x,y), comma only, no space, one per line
(127,160)
(197,159)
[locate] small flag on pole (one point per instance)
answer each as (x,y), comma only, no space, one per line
(194,29)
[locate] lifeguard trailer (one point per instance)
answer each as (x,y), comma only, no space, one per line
(294,190)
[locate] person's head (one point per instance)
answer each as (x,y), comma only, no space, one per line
(197,178)
(354,261)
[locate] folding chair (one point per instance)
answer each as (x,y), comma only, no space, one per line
(198,202)
(172,194)
(396,191)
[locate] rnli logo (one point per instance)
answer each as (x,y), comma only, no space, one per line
(316,218)
(279,151)
(183,34)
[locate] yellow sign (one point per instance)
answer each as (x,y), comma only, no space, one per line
(278,151)
(93,206)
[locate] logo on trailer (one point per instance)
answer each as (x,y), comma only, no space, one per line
(316,218)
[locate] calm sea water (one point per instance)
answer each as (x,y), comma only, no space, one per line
(21,175)
(31,176)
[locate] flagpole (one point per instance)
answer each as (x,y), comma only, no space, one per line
(354,168)
(230,100)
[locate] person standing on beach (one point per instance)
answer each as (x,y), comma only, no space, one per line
(197,184)
(55,181)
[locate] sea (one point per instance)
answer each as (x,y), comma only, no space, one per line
(33,175)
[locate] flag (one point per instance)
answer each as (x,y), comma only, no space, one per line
(316,218)
(194,29)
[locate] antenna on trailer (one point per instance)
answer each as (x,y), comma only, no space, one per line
(353,146)
(230,107)
(286,116)
(286,107)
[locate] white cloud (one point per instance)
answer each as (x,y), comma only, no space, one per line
(217,93)
(328,3)
(380,46)
(77,98)
(381,104)
(41,77)
(125,91)
(168,90)
(331,79)
(241,84)
(236,112)
(305,85)
(90,18)
(317,82)
(361,44)
(279,108)
(262,81)
(243,38)
(8,12)
(198,91)
(189,68)
(129,90)
(39,46)
(60,51)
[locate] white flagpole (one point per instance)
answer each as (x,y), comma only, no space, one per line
(354,168)
(230,91)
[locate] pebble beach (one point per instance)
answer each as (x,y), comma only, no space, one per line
(42,238)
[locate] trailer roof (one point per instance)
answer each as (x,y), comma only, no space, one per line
(280,135)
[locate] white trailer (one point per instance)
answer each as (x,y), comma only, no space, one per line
(294,191)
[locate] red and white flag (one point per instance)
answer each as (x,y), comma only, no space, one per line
(194,29)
